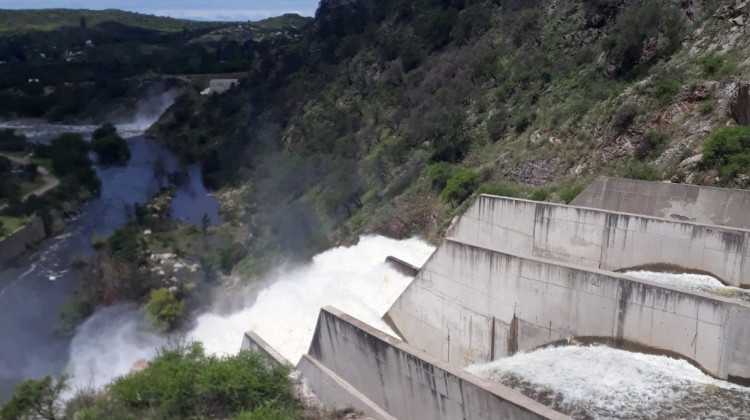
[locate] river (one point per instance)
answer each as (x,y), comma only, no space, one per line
(33,291)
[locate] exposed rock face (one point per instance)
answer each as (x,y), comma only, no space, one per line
(740,104)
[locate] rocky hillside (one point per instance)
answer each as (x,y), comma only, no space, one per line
(388,116)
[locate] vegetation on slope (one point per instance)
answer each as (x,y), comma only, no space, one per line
(530,99)
(68,65)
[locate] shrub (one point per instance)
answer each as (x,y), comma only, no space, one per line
(624,118)
(496,125)
(724,143)
(653,145)
(633,27)
(541,194)
(666,89)
(523,121)
(635,169)
(568,194)
(12,142)
(75,310)
(500,189)
(440,173)
(460,186)
(109,146)
(184,382)
(711,64)
(36,399)
(163,308)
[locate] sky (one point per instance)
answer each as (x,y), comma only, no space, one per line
(234,10)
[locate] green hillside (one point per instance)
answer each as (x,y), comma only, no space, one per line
(16,21)
(389,116)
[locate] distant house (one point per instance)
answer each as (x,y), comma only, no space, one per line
(219,86)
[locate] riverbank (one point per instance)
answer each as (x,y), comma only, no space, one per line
(34,290)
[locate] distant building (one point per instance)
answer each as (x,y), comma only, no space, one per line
(219,86)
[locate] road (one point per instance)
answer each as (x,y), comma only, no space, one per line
(50,181)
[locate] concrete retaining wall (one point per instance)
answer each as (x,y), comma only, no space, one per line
(17,243)
(602,239)
(253,342)
(706,205)
(472,305)
(408,384)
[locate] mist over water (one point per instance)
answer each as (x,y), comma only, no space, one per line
(284,313)
(604,383)
(145,114)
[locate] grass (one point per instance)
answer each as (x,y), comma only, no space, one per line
(44,163)
(12,224)
(27,187)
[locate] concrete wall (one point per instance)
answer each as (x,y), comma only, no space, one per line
(406,383)
(253,342)
(602,239)
(706,205)
(17,243)
(472,305)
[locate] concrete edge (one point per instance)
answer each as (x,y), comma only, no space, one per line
(699,187)
(612,274)
(344,396)
(499,390)
(402,266)
(599,210)
(252,341)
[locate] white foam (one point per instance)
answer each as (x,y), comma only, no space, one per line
(601,382)
(698,282)
(108,344)
(354,279)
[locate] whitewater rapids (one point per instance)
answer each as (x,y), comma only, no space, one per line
(598,382)
(353,279)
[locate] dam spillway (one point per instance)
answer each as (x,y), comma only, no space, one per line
(514,276)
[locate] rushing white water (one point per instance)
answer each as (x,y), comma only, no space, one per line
(147,112)
(354,279)
(698,282)
(108,344)
(601,382)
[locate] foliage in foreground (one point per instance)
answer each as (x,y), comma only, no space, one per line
(181,383)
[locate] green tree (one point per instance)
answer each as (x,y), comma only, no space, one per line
(163,308)
(109,146)
(36,399)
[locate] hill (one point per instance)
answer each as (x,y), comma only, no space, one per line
(78,65)
(388,116)
(21,21)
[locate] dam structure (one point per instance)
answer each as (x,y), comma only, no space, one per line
(515,275)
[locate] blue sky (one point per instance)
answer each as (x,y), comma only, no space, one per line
(189,9)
